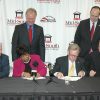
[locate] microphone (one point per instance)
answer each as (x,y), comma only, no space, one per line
(34,72)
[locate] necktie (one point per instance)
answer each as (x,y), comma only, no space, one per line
(71,70)
(30,33)
(92,31)
(91,35)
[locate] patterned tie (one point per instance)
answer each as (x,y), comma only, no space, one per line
(71,70)
(92,31)
(30,33)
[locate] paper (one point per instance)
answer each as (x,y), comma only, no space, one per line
(68,78)
(31,78)
(40,78)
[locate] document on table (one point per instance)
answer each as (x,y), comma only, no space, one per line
(71,78)
(31,78)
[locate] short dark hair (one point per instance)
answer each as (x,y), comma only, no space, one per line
(21,50)
(95,7)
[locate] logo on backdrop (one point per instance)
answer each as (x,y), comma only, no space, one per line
(77,15)
(49,1)
(19,14)
(18,18)
(97,1)
(49,43)
(48,19)
(76,20)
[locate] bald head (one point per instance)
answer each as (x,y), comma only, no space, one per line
(94,13)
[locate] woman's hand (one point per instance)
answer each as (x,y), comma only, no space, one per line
(38,75)
(26,74)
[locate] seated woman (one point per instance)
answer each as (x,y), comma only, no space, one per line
(24,65)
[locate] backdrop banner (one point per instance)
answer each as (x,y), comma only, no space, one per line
(59,18)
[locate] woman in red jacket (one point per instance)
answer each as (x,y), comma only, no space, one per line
(26,63)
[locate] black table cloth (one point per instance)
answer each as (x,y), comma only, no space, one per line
(21,89)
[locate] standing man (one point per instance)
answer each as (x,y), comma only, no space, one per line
(30,35)
(88,33)
(70,65)
(95,63)
(4,64)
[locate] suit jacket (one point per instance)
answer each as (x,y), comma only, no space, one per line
(4,66)
(61,65)
(19,66)
(20,36)
(95,62)
(82,37)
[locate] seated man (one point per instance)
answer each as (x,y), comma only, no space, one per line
(70,65)
(4,64)
(24,65)
(95,62)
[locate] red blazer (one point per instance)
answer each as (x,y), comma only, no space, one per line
(19,66)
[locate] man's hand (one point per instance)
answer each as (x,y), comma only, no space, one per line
(92,73)
(59,75)
(81,74)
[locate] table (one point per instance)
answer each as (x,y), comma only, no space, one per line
(21,89)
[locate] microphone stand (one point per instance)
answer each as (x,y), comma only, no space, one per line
(34,80)
(51,78)
(34,74)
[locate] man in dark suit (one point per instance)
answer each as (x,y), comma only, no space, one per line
(88,33)
(63,65)
(95,63)
(30,35)
(4,64)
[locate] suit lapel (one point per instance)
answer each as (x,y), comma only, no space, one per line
(26,33)
(34,32)
(66,65)
(97,29)
(88,30)
(77,65)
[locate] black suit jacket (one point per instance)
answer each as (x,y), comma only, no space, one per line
(61,65)
(4,66)
(82,37)
(95,62)
(20,36)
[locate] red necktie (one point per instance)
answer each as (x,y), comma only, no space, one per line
(91,35)
(92,31)
(30,33)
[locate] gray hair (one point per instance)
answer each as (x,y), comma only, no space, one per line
(31,10)
(73,46)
